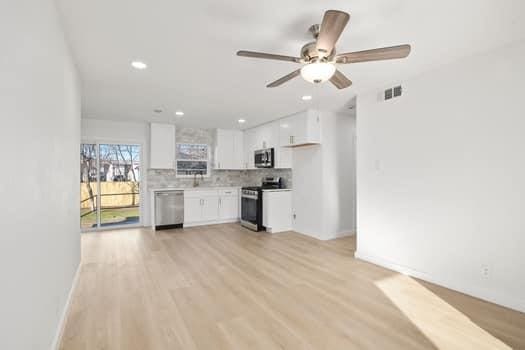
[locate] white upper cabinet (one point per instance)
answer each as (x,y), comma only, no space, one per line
(266,136)
(250,145)
(229,149)
(283,155)
(300,129)
(162,146)
(238,149)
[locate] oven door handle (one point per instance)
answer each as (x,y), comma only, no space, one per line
(249,196)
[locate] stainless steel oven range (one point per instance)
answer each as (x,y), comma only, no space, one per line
(251,208)
(251,203)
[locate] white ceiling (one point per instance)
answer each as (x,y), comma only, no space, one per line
(190,48)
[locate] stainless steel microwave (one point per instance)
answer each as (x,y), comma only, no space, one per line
(264,158)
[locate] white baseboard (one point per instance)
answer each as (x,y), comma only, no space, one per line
(344,233)
(63,317)
(337,235)
(214,222)
(459,286)
(333,236)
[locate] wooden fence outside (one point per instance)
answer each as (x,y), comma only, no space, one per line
(114,194)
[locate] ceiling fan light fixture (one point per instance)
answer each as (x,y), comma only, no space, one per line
(317,72)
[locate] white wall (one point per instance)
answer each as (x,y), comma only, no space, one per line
(339,172)
(108,131)
(441,189)
(95,130)
(324,180)
(307,195)
(39,177)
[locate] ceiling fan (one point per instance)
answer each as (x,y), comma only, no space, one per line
(319,57)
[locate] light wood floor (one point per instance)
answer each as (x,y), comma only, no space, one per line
(224,287)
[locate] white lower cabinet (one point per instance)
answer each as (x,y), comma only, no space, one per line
(277,210)
(202,207)
(210,208)
(192,209)
(229,205)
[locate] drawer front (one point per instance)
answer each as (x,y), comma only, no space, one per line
(226,193)
(199,194)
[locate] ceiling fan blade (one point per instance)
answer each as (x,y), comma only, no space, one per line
(284,79)
(340,80)
(268,56)
(334,22)
(385,53)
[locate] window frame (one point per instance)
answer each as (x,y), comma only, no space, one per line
(177,160)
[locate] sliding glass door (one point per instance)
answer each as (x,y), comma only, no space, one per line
(88,186)
(109,185)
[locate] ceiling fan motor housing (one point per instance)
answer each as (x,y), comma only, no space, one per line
(309,53)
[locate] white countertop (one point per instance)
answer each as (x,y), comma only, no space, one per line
(204,188)
(276,189)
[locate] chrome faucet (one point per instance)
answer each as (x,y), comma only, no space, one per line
(195,181)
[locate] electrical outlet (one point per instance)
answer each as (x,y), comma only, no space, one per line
(485,270)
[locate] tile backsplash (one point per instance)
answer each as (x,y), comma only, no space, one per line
(160,178)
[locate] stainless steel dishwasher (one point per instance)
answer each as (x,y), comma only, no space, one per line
(169,209)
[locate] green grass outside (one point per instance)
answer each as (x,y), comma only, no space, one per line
(114,216)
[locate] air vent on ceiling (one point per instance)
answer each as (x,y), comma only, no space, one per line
(393,92)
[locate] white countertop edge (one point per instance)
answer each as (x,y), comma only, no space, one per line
(217,188)
(277,190)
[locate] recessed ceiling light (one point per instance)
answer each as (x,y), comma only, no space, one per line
(306,98)
(241,121)
(179,113)
(139,65)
